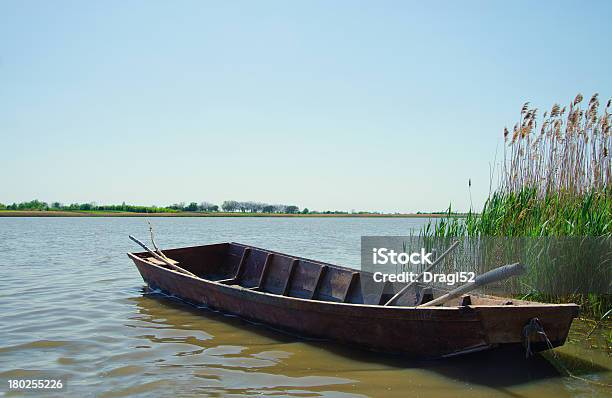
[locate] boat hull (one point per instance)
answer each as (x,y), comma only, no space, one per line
(427,332)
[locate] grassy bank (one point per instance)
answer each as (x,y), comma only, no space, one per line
(79,213)
(554,184)
(526,214)
(573,225)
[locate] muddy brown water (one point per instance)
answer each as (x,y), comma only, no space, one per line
(73,305)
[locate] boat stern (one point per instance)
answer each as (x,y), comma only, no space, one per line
(539,327)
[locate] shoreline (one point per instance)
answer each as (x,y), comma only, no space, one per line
(79,213)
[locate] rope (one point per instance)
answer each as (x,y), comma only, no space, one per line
(599,322)
(535,327)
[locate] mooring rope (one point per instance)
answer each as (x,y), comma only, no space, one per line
(535,327)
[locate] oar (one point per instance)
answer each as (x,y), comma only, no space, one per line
(160,258)
(405,288)
(495,275)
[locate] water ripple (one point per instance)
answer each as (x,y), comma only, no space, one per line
(71,303)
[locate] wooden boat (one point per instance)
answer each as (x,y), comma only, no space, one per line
(316,299)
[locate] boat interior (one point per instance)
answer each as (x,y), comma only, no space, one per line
(266,271)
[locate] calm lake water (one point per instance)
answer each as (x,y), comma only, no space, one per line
(73,305)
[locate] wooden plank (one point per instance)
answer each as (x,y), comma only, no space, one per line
(251,271)
(158,262)
(425,295)
(387,286)
(262,277)
(354,276)
(243,259)
(317,285)
(304,279)
(276,275)
(289,276)
(231,281)
(231,259)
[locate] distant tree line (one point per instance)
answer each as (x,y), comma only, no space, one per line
(39,205)
(258,207)
(194,206)
(31,205)
(227,206)
(230,206)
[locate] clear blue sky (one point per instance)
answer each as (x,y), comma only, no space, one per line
(387,106)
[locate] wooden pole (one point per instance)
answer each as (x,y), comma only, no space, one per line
(162,259)
(157,249)
(495,275)
(405,288)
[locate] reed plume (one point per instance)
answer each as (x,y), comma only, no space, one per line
(569,155)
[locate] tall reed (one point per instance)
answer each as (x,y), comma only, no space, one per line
(568,154)
(555,181)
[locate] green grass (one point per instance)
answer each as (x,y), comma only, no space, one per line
(572,261)
(525,214)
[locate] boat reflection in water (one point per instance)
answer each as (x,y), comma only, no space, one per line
(194,350)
